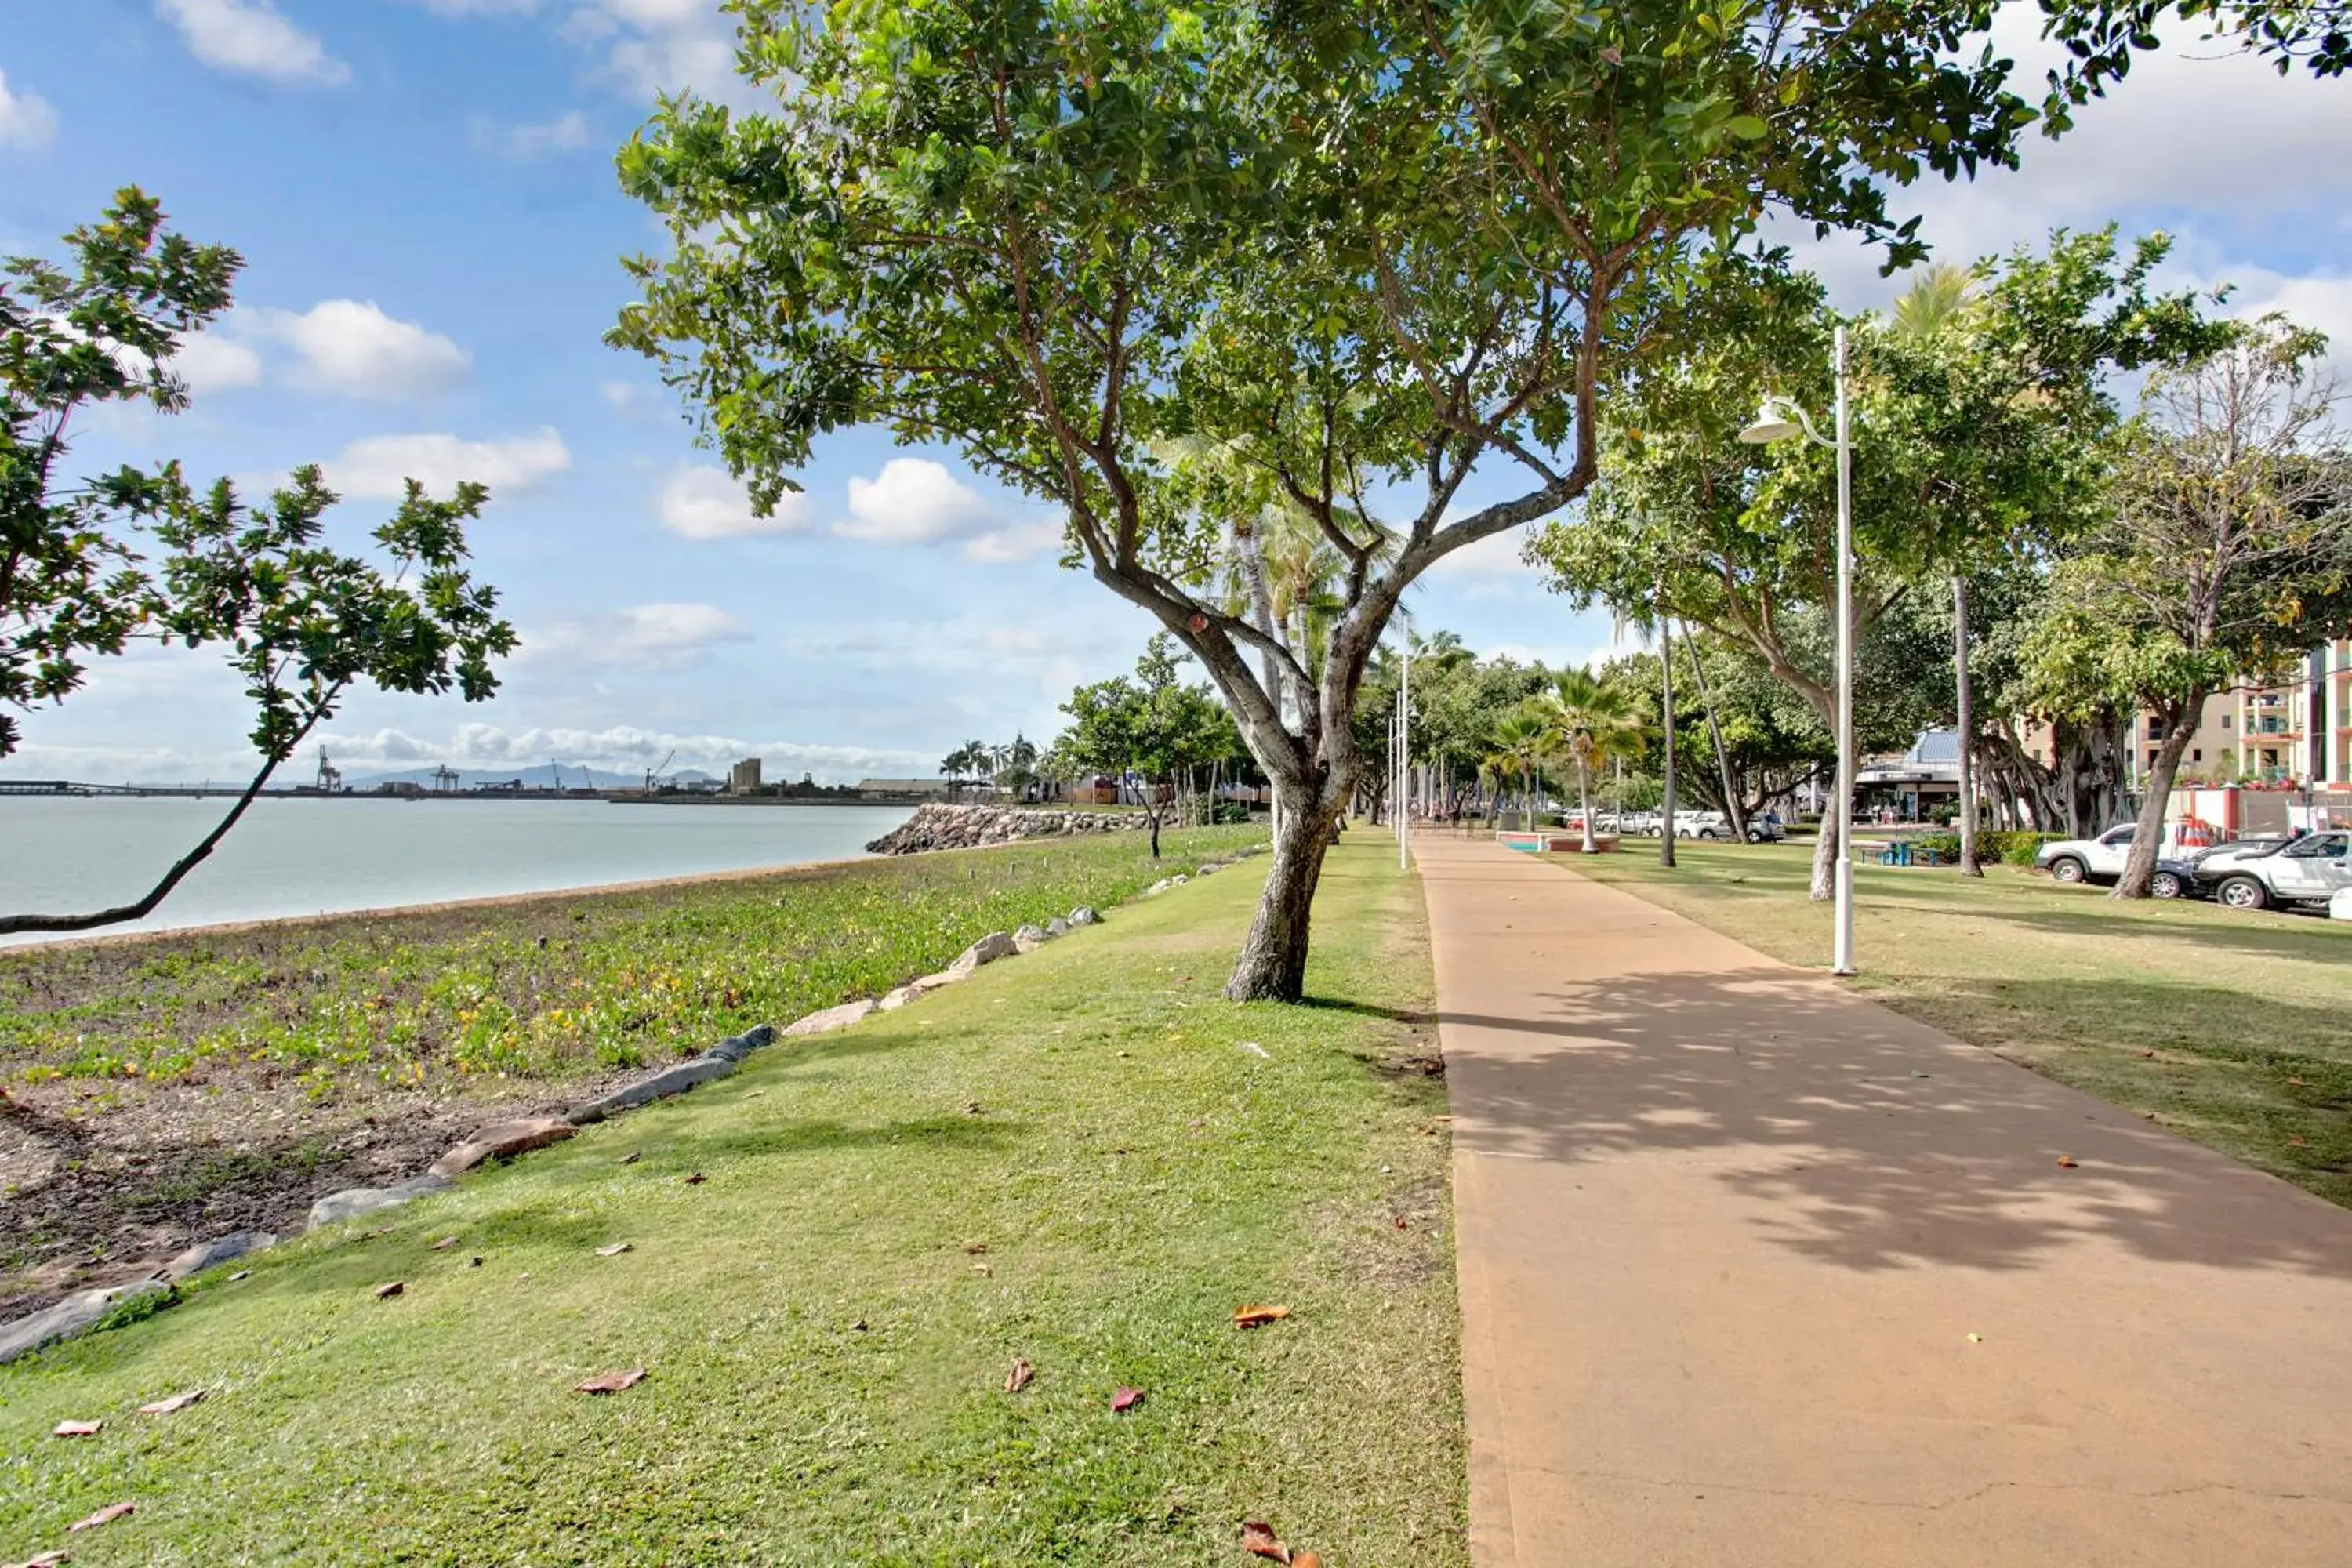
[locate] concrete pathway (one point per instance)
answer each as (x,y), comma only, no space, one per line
(1758,1273)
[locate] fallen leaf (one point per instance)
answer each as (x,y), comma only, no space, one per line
(1307,1560)
(615,1250)
(241,1274)
(971,1108)
(2294,1083)
(631,1157)
(1126,1399)
(1259,1541)
(476,1264)
(611,1382)
(1018,1378)
(1976,1339)
(1400,1225)
(2149,1055)
(173,1406)
(697,1179)
(975,1247)
(386,1293)
(46,1560)
(2065,1162)
(1258,1317)
(78,1429)
(106,1515)
(444,1245)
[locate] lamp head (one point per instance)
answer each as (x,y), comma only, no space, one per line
(1776,421)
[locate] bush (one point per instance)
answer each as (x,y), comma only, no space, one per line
(2008,848)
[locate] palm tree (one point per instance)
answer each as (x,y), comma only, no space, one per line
(1520,739)
(1592,721)
(1949,298)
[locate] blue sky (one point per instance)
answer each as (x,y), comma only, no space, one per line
(423,190)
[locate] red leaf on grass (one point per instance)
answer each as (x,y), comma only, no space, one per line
(1018,1378)
(1258,1317)
(1126,1399)
(611,1382)
(106,1515)
(173,1406)
(1259,1541)
(697,1179)
(78,1429)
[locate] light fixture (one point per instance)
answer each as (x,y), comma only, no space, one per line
(1776,420)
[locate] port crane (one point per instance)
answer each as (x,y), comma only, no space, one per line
(653,775)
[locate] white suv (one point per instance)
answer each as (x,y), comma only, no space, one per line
(2099,860)
(2310,871)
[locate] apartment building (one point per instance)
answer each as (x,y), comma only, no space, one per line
(2294,731)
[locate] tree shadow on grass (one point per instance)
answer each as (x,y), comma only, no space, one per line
(1856,1137)
(2320,944)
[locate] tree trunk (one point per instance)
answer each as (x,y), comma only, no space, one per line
(2179,727)
(1967,715)
(1584,804)
(1666,708)
(1273,963)
(1826,850)
(1732,810)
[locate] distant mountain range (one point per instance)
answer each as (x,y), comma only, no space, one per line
(543,777)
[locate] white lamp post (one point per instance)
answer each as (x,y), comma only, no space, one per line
(1404,743)
(1781,420)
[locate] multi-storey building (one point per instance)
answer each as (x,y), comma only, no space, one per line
(2296,730)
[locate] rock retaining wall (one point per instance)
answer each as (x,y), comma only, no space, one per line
(970,826)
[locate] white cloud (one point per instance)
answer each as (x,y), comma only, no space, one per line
(706,504)
(642,637)
(351,346)
(1019,541)
(210,363)
(249,36)
(1496,555)
(911,501)
(661,45)
(566,133)
(376,467)
(27,120)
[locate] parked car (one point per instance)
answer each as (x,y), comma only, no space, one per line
(2099,860)
(2310,871)
(1702,825)
(1766,830)
(1643,823)
(2176,877)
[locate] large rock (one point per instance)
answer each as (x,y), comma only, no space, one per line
(76,1314)
(832,1018)
(503,1140)
(987,950)
(1083,915)
(914,988)
(208,1254)
(677,1079)
(1057,926)
(1029,938)
(353,1202)
(970,826)
(735,1048)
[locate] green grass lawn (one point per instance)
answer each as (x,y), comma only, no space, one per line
(826,1339)
(2233,1029)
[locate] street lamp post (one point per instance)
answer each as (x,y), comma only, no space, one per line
(1781,420)
(1404,743)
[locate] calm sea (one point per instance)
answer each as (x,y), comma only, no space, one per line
(315,857)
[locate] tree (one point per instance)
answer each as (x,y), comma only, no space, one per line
(2228,548)
(1594,721)
(1152,726)
(303,624)
(2102,35)
(1371,243)
(1518,743)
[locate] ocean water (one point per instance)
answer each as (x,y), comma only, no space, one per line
(297,857)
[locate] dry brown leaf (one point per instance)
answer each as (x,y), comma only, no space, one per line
(975,1247)
(983,1268)
(1126,1399)
(386,1293)
(106,1515)
(1259,1541)
(78,1429)
(2065,1161)
(611,1382)
(1018,1378)
(1307,1560)
(173,1406)
(46,1560)
(444,1245)
(631,1157)
(697,1179)
(1258,1317)
(615,1250)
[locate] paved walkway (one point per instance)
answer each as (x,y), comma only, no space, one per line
(1758,1273)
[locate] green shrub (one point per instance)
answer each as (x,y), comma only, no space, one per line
(2014,848)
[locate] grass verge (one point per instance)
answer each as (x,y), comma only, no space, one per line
(2231,1030)
(827,1342)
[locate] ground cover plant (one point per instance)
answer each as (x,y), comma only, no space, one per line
(1083,1160)
(154,1086)
(2229,1028)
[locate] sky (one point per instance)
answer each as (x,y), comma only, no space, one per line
(424,193)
